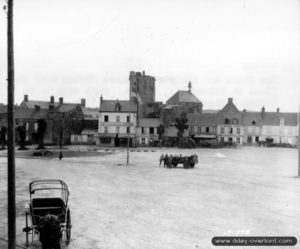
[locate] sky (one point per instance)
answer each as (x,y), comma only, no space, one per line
(245,49)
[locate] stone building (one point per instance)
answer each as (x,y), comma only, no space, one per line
(230,126)
(146,132)
(274,127)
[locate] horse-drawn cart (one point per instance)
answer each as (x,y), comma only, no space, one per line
(48,215)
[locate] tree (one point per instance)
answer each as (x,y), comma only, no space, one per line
(3,132)
(160,132)
(22,134)
(181,125)
(42,126)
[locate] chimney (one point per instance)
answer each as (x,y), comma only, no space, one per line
(52,99)
(61,101)
(83,102)
(277,110)
(230,100)
(101,99)
(190,87)
(25,98)
(263,110)
(143,73)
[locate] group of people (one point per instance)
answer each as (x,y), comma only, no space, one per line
(165,158)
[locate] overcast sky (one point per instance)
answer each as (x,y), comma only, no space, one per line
(245,49)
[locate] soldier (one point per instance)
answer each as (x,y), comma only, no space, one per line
(60,156)
(161,159)
(166,158)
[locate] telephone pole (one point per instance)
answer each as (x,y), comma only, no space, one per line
(299,142)
(11,187)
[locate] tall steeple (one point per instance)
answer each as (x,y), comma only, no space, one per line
(190,87)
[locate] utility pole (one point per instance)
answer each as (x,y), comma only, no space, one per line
(11,186)
(299,142)
(128,137)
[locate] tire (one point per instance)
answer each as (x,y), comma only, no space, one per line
(192,164)
(68,227)
(186,164)
(175,162)
(27,232)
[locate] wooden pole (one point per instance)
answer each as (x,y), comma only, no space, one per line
(11,188)
(299,142)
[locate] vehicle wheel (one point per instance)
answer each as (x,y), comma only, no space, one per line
(27,229)
(68,228)
(186,164)
(175,162)
(192,164)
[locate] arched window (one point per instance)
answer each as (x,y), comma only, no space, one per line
(118,107)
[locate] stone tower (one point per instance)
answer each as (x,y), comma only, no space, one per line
(143,86)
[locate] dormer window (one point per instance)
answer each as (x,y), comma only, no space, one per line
(234,121)
(118,107)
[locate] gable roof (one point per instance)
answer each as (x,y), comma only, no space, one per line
(229,107)
(183,97)
(30,104)
(110,106)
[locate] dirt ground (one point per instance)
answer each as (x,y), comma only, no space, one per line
(245,191)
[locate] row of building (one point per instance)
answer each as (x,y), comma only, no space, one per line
(138,121)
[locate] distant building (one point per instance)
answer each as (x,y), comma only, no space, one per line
(203,126)
(146,132)
(274,127)
(230,126)
(117,123)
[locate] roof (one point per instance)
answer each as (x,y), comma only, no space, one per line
(110,106)
(183,97)
(270,118)
(149,122)
(203,119)
(90,113)
(65,107)
(30,104)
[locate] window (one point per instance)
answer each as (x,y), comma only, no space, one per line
(143,140)
(35,126)
(249,139)
(151,130)
(105,129)
(238,140)
(199,129)
(222,139)
(117,129)
(118,107)
(128,129)
(253,122)
(76,139)
(207,129)
(227,121)
(231,130)
(234,121)
(192,129)
(222,130)
(105,140)
(118,118)
(105,118)
(238,130)
(143,130)
(128,119)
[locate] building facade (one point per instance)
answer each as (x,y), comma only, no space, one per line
(117,123)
